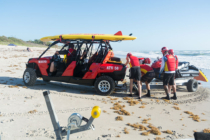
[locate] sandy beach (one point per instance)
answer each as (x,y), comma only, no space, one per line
(24,115)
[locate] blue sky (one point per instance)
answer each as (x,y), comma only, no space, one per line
(177,24)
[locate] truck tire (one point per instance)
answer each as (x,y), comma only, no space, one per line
(104,85)
(192,85)
(29,77)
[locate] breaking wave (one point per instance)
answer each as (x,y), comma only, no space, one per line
(200,59)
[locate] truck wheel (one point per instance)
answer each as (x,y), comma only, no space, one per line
(29,77)
(104,85)
(192,85)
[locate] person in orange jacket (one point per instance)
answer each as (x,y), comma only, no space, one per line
(171,52)
(169,67)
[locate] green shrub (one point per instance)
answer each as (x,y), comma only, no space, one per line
(12,40)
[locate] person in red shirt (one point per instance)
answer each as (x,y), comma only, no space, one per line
(147,76)
(135,72)
(171,52)
(57,61)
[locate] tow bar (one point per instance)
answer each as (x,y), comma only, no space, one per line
(74,121)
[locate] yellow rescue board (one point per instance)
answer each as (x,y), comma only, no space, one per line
(201,77)
(110,37)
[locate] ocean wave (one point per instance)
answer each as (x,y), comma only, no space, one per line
(200,59)
(193,53)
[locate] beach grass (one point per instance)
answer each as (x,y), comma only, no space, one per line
(19,42)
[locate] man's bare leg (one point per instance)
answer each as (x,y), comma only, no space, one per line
(174,91)
(139,86)
(174,88)
(52,66)
(131,86)
(169,89)
(166,91)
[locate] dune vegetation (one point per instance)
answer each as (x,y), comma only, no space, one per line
(19,42)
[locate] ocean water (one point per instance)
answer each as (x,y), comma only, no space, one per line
(200,59)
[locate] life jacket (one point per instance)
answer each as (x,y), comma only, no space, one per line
(145,68)
(170,64)
(177,61)
(70,50)
(67,56)
(134,61)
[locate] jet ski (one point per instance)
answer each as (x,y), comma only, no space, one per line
(186,74)
(185,70)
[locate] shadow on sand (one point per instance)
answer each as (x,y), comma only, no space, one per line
(56,86)
(75,89)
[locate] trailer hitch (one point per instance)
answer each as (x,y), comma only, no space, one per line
(74,121)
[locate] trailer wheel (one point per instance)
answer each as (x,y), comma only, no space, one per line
(104,85)
(29,77)
(192,85)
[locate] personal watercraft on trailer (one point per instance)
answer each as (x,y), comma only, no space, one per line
(186,74)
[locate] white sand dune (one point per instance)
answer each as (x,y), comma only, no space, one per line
(24,115)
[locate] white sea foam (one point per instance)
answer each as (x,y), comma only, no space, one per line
(200,59)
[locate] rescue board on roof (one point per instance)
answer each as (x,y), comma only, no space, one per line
(112,37)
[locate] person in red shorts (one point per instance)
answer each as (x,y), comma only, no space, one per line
(147,76)
(135,72)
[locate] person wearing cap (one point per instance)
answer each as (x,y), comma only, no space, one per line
(135,72)
(171,52)
(168,66)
